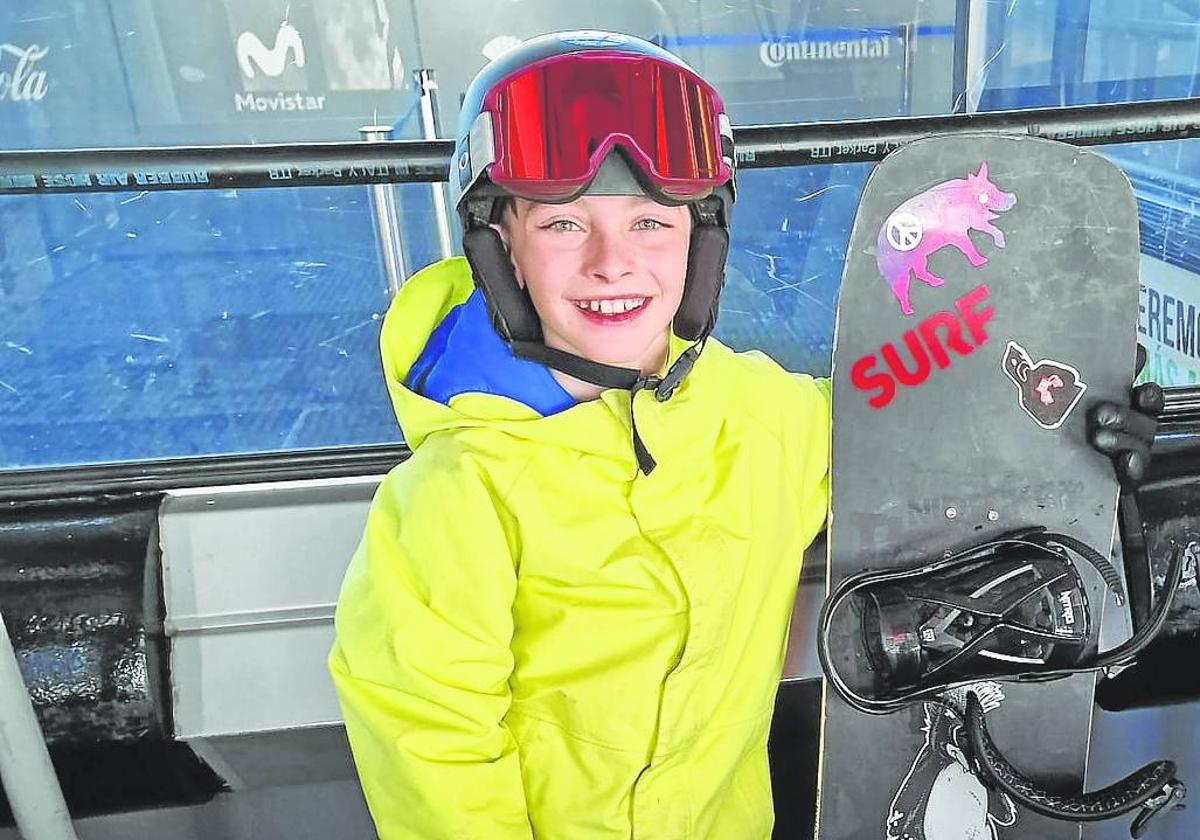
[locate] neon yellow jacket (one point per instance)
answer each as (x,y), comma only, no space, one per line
(536,640)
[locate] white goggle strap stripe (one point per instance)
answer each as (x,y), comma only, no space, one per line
(476,158)
(726,130)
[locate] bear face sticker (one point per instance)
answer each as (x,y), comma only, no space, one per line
(1047,390)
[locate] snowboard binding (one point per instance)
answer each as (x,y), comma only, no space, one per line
(1012,608)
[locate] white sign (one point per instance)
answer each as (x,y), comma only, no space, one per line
(1168,323)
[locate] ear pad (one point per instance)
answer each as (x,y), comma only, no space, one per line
(705,277)
(513,315)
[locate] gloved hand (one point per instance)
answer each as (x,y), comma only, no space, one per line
(1126,432)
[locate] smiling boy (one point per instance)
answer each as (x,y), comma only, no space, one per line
(567,617)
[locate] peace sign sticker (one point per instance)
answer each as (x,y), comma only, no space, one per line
(904,231)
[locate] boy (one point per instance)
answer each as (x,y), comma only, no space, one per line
(568,614)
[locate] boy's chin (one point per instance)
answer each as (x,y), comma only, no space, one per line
(630,355)
(606,356)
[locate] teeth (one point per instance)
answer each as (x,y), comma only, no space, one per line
(612,307)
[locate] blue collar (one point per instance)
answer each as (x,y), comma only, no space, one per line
(465,355)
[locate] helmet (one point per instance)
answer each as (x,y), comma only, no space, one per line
(573,112)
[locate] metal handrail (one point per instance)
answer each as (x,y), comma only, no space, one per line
(70,171)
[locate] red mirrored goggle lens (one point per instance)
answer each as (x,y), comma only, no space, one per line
(556,120)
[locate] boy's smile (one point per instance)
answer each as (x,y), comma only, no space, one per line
(612,310)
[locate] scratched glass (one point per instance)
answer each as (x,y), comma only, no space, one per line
(1057,52)
(152,325)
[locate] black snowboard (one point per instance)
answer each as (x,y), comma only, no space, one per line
(990,295)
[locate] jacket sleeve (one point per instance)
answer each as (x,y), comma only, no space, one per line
(422,658)
(813,472)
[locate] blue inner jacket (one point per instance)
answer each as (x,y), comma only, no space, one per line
(464,355)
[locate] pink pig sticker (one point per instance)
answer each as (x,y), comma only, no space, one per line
(941,215)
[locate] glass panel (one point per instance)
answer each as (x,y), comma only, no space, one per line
(171,324)
(772,60)
(1168,196)
(141,326)
(790,229)
(1067,52)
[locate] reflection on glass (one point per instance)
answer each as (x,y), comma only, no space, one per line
(1068,52)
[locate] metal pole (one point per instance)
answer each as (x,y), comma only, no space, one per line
(427,82)
(387,219)
(25,769)
(906,41)
(961,68)
(1181,400)
(350,163)
(977,65)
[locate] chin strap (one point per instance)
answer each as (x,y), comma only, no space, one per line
(1152,788)
(610,376)
(585,370)
(516,320)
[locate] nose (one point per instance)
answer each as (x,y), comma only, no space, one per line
(607,257)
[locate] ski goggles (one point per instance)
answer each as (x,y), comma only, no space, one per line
(544,131)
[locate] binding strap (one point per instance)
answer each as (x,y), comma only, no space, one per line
(1153,788)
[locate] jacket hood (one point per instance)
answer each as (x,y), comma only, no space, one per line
(447,369)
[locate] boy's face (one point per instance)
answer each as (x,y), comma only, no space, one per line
(605,273)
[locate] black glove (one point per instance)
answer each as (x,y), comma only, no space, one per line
(1126,432)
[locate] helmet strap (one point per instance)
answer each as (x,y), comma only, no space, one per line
(516,321)
(697,312)
(513,315)
(595,373)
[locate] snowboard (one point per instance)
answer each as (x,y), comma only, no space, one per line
(989,296)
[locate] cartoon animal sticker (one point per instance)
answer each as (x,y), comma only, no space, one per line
(1047,390)
(941,215)
(940,798)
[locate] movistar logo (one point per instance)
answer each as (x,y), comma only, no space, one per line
(252,51)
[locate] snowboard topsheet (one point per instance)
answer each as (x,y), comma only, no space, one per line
(990,294)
